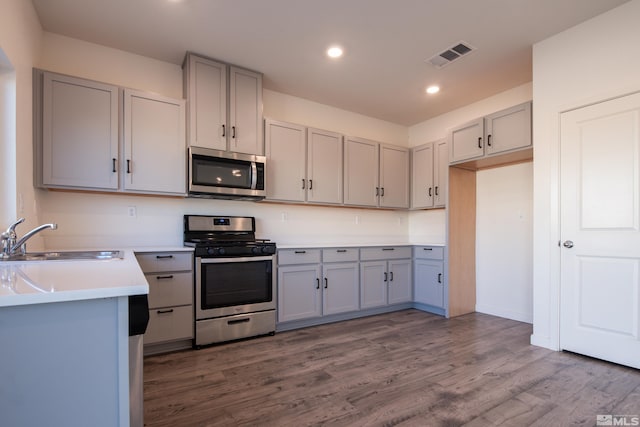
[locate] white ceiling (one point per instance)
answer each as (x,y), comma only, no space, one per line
(383,73)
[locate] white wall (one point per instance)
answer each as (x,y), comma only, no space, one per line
(504,242)
(7,140)
(101,220)
(20,37)
(593,61)
(503,196)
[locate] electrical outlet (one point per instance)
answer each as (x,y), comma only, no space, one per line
(283,217)
(357,219)
(131,211)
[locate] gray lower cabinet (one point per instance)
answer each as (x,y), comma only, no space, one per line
(171,321)
(341,282)
(324,285)
(429,278)
(299,294)
(299,290)
(385,276)
(307,288)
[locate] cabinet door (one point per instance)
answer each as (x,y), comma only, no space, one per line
(440,173)
(79,134)
(154,143)
(429,283)
(286,161)
(324,166)
(467,141)
(373,284)
(422,191)
(394,177)
(341,288)
(245,111)
(399,281)
(360,172)
(299,292)
(207,94)
(508,129)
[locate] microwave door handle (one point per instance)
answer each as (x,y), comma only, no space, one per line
(254,175)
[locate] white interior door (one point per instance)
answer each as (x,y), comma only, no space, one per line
(600,253)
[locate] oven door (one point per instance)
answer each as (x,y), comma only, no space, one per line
(228,286)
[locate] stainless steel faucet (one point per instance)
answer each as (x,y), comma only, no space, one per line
(10,243)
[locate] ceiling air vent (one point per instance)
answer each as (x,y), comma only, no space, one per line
(451,54)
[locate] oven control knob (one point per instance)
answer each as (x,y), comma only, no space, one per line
(256,250)
(211,251)
(221,251)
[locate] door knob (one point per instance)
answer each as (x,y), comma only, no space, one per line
(568,244)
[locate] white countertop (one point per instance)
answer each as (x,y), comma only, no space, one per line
(353,245)
(35,282)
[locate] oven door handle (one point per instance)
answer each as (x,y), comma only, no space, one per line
(234,259)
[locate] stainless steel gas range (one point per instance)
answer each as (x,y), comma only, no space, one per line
(234,278)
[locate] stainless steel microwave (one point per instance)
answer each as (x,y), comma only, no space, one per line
(225,175)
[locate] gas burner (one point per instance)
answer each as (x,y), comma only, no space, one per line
(215,236)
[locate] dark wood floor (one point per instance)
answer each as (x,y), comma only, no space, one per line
(407,368)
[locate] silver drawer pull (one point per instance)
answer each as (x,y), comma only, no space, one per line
(427,249)
(341,250)
(164,256)
(235,322)
(164,277)
(165,311)
(388,249)
(300,252)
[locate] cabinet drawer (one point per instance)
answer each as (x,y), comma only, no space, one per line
(154,262)
(429,252)
(168,324)
(386,252)
(339,255)
(170,289)
(299,256)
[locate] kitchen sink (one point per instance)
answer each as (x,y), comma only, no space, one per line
(65,256)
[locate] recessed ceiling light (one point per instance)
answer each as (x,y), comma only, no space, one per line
(433,89)
(334,52)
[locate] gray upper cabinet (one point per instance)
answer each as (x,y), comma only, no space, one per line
(467,141)
(154,143)
(501,132)
(224,106)
(245,111)
(430,164)
(206,92)
(79,145)
(508,129)
(304,164)
(79,133)
(394,177)
(360,172)
(324,166)
(286,152)
(375,174)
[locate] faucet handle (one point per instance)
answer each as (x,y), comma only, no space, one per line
(12,228)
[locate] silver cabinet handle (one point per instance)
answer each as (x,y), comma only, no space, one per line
(568,244)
